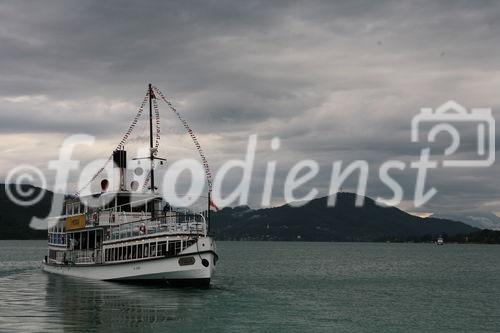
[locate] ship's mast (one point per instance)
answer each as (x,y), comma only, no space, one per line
(152,148)
(151,152)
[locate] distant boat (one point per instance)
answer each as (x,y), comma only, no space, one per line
(440,241)
(109,236)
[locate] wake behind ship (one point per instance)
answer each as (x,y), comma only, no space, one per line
(130,234)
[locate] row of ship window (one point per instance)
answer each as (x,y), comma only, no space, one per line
(58,239)
(79,240)
(146,250)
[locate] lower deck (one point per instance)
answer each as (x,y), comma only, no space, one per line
(128,250)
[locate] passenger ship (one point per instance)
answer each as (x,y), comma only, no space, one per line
(131,235)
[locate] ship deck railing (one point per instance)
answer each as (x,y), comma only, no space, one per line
(161,225)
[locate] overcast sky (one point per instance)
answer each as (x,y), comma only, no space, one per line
(334,80)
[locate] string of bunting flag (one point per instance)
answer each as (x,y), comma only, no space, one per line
(122,143)
(157,119)
(206,167)
(127,134)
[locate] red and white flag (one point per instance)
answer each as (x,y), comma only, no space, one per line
(212,204)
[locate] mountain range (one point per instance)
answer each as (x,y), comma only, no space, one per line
(15,220)
(315,221)
(481,220)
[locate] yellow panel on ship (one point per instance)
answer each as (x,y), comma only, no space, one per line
(75,222)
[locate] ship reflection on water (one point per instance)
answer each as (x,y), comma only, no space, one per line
(87,305)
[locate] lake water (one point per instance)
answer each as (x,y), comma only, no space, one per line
(270,287)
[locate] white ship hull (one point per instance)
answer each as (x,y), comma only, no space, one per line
(169,269)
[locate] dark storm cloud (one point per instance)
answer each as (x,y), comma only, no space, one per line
(334,80)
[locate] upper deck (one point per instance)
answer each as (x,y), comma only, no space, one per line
(122,216)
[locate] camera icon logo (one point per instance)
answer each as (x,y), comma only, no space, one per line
(446,118)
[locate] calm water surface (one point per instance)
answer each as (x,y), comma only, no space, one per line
(270,287)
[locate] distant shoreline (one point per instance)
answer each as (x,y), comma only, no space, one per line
(308,241)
